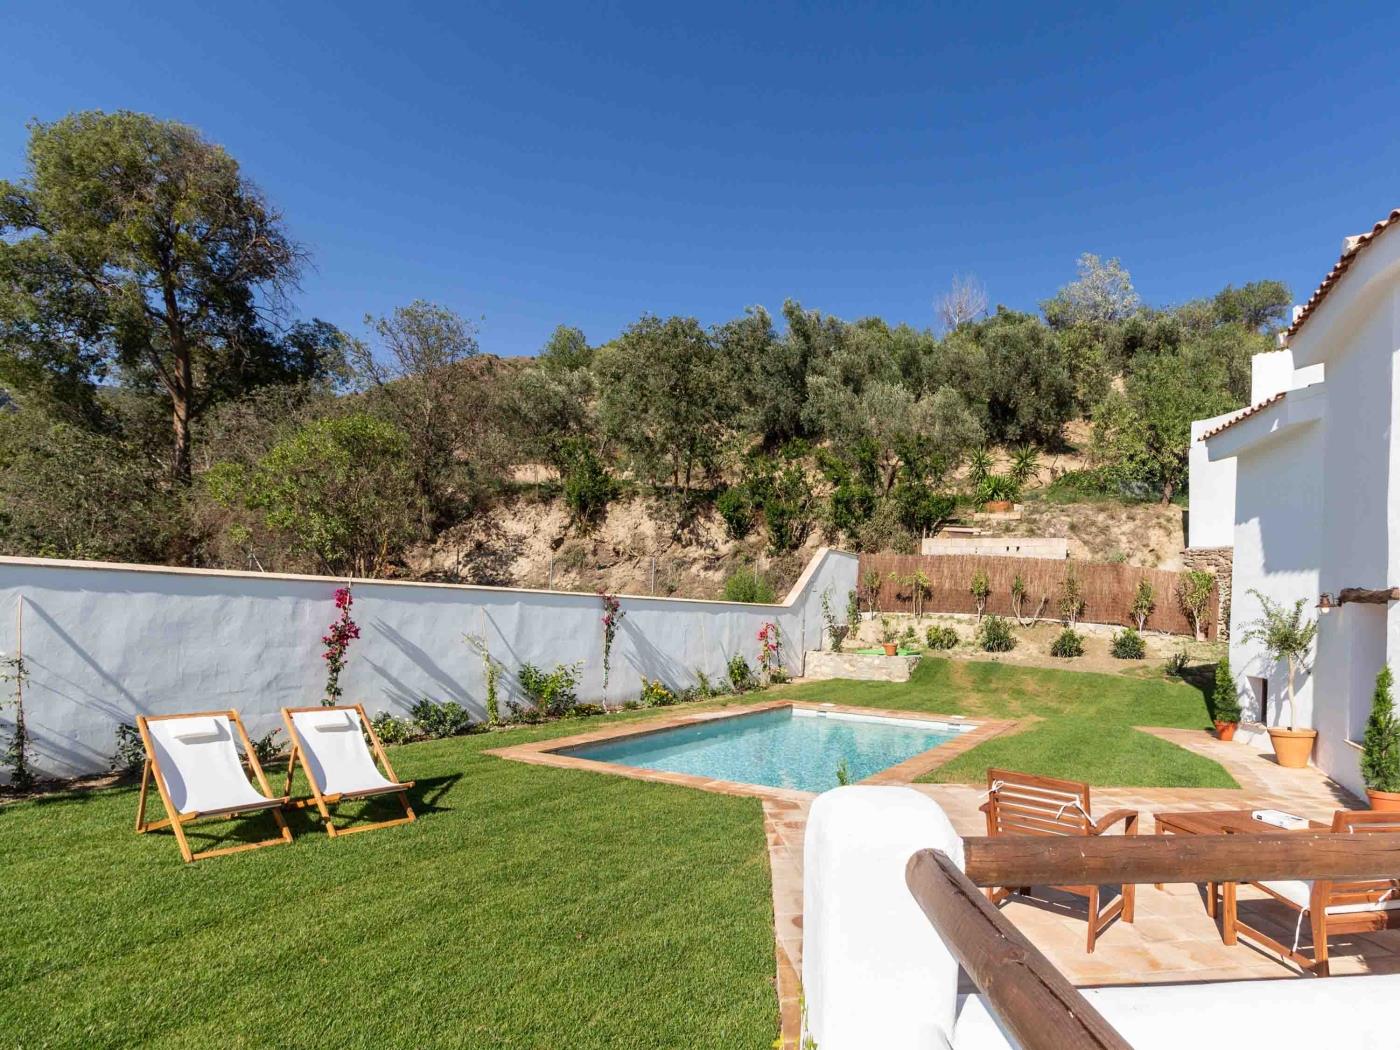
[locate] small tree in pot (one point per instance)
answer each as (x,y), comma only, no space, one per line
(1380,749)
(1225,701)
(1286,635)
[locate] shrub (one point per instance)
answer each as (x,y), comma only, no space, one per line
(654,694)
(852,611)
(266,748)
(631,705)
(131,752)
(553,693)
(745,585)
(391,730)
(587,710)
(1128,645)
(436,720)
(1144,601)
(704,687)
(1176,663)
(994,635)
(1193,591)
(981,588)
(941,638)
(588,487)
(736,508)
(1069,644)
(1225,701)
(741,676)
(1380,749)
(1071,599)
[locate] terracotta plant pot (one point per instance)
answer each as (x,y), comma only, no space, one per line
(1292,746)
(999,506)
(1226,730)
(1384,801)
(891,649)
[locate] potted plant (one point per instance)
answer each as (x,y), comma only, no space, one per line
(1286,635)
(1225,703)
(998,493)
(889,637)
(1380,749)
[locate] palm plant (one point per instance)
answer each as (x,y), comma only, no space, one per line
(1285,635)
(998,488)
(1025,460)
(979,465)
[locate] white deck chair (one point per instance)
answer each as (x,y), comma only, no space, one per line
(329,742)
(195,763)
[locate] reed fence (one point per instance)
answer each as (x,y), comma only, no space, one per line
(1107,589)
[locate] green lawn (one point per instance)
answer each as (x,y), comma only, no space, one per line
(528,908)
(1079,725)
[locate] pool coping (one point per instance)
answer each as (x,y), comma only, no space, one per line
(546,752)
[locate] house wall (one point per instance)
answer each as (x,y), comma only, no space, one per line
(1210,519)
(105,642)
(1278,531)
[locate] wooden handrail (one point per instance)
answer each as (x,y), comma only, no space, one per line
(1033,1000)
(1025,860)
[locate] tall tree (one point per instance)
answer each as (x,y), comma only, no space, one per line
(965,301)
(1102,294)
(135,245)
(418,372)
(664,399)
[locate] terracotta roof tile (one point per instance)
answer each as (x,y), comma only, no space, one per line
(1353,249)
(1245,414)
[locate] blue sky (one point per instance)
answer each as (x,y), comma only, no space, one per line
(536,164)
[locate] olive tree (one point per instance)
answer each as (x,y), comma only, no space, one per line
(135,246)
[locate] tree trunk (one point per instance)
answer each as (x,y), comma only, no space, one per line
(1168,491)
(180,393)
(1292,710)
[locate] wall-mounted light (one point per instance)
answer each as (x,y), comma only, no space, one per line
(1325,601)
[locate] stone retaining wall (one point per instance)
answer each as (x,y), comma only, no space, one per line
(1220,561)
(867,667)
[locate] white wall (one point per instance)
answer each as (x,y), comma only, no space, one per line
(1277,537)
(1210,520)
(106,642)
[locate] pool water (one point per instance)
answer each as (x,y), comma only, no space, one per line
(787,747)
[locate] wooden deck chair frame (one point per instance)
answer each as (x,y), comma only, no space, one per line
(1024,804)
(1324,895)
(151,770)
(324,802)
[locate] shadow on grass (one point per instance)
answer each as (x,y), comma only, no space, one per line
(425,798)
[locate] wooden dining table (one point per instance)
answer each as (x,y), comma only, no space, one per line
(1221,822)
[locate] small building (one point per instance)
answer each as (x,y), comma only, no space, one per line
(1314,507)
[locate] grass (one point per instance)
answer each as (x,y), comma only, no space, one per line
(529,907)
(1080,724)
(523,910)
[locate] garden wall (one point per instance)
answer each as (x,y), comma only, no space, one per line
(103,643)
(1108,589)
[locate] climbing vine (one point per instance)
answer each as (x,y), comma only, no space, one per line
(612,617)
(337,641)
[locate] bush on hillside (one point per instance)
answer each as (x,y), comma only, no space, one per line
(994,635)
(941,638)
(745,585)
(1069,644)
(1127,644)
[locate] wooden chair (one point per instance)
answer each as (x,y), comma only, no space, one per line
(330,743)
(195,764)
(1330,907)
(1023,804)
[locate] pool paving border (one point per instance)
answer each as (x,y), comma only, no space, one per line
(547,752)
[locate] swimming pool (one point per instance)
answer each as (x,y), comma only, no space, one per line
(788,747)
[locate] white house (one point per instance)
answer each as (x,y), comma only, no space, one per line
(1316,496)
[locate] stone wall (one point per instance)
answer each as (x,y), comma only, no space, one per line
(1220,561)
(866,667)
